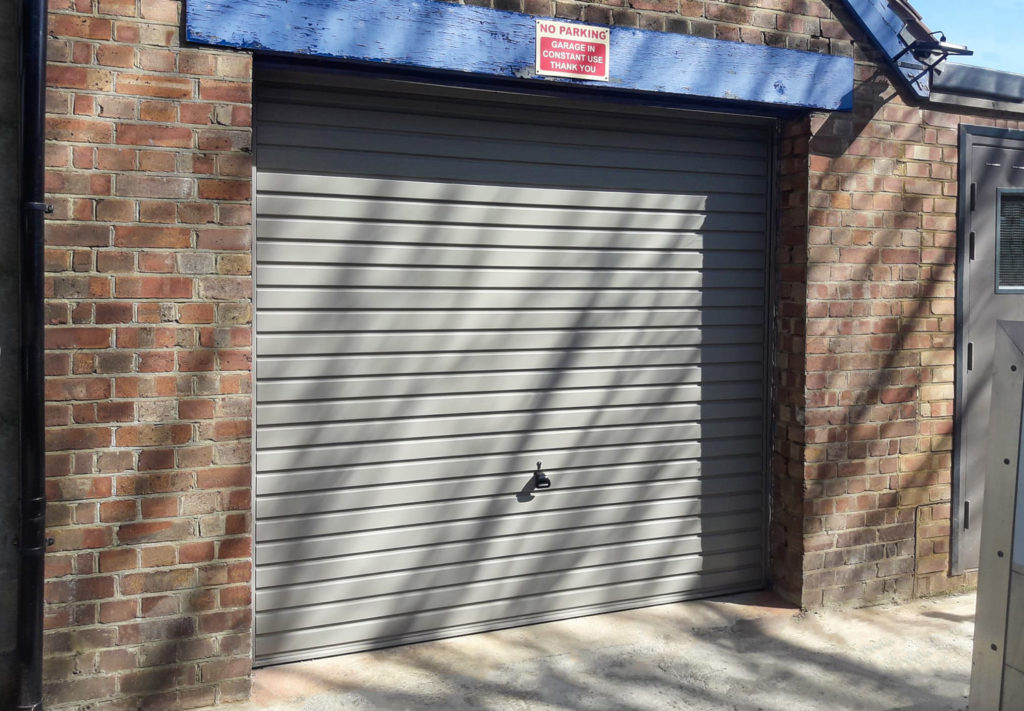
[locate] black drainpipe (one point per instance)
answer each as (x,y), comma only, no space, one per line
(32,540)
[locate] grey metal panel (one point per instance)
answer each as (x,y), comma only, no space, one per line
(425,191)
(670,532)
(991,164)
(441,303)
(316,275)
(1013,689)
(295,230)
(432,167)
(498,340)
(469,320)
(503,381)
(519,319)
(360,453)
(506,381)
(701,138)
(361,143)
(287,366)
(293,594)
(347,410)
(505,213)
(463,497)
(305,303)
(625,466)
(517,466)
(463,258)
(978,81)
(321,608)
(310,525)
(391,626)
(690,517)
(1015,616)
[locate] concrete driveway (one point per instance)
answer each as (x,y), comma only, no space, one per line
(740,653)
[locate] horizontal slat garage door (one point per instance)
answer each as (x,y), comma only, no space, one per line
(452,288)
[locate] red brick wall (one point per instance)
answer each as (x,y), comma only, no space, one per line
(787,515)
(148,362)
(880,302)
(865,415)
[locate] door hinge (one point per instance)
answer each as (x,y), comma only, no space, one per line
(967,515)
(974,195)
(970,355)
(970,247)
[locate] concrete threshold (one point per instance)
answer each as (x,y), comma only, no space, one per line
(750,652)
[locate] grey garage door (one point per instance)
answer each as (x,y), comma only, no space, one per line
(453,287)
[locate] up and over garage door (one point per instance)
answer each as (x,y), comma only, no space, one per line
(455,288)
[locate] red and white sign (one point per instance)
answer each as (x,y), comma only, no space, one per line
(569,50)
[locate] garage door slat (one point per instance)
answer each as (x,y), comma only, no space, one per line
(581,319)
(286,366)
(394,625)
(715,515)
(445,491)
(423,190)
(436,406)
(712,141)
(385,342)
(719,535)
(333,388)
(295,594)
(270,299)
(582,501)
(431,167)
(498,149)
(357,453)
(627,469)
(316,604)
(290,230)
(355,209)
(463,257)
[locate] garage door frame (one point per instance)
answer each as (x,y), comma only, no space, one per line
(626,104)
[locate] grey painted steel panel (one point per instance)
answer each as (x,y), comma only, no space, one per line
(324,593)
(359,453)
(525,320)
(712,141)
(462,499)
(514,464)
(326,186)
(690,516)
(1015,618)
(992,164)
(338,478)
(391,627)
(441,303)
(308,304)
(463,258)
(356,209)
(498,340)
(285,366)
(347,410)
(661,532)
(318,603)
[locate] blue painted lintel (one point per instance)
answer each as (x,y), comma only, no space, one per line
(884,27)
(430,34)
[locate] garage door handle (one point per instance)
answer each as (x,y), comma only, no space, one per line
(540,479)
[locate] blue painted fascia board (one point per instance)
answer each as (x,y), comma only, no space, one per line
(884,28)
(430,34)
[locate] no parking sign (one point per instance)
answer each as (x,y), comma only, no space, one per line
(569,50)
